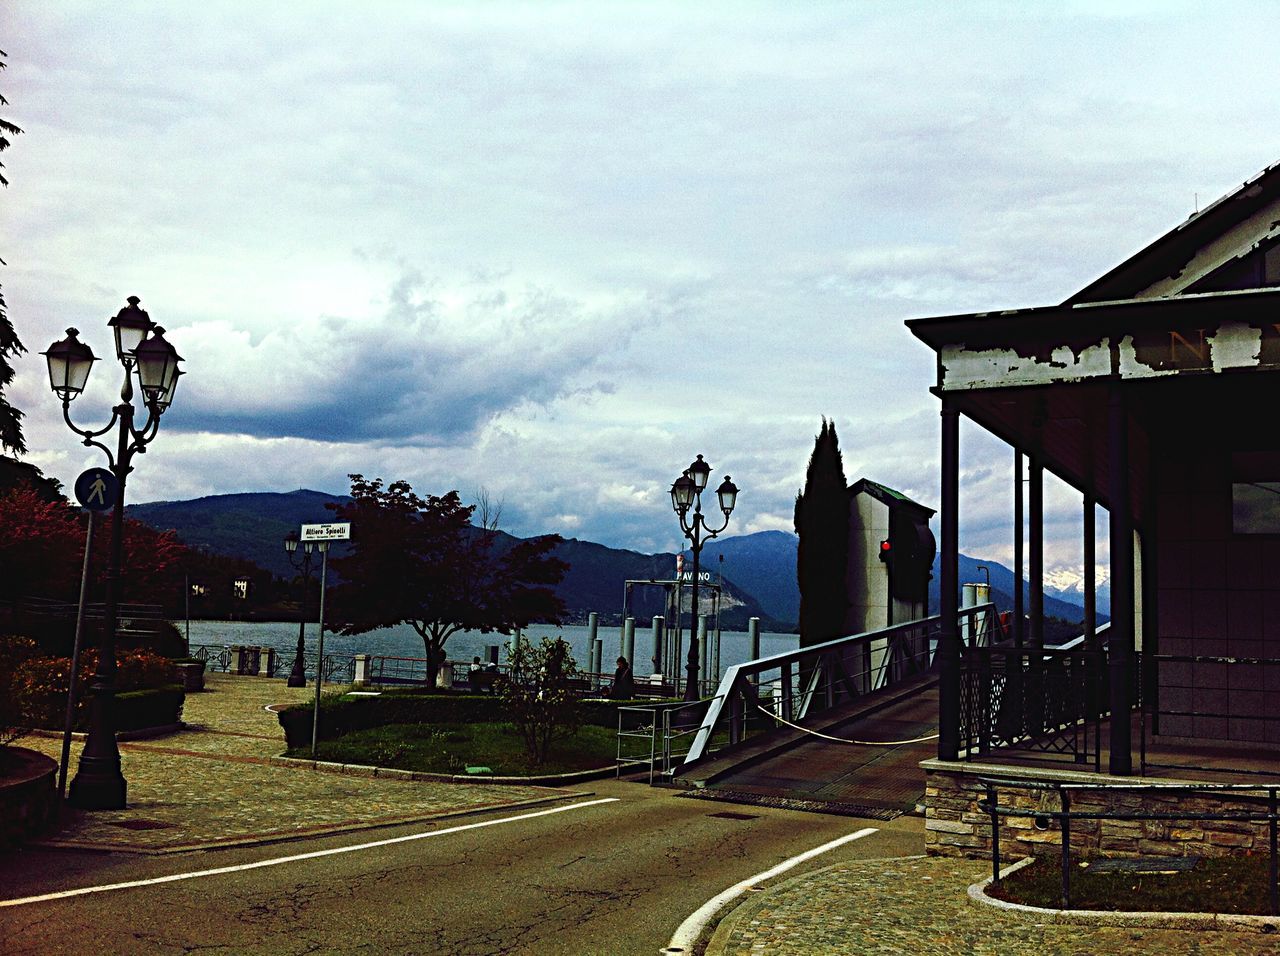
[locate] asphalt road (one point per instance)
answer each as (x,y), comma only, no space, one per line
(610,878)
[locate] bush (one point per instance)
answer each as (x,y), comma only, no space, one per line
(539,694)
(14,653)
(153,707)
(42,684)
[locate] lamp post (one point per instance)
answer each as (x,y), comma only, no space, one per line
(298,678)
(99,783)
(686,494)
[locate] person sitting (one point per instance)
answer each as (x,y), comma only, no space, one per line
(473,675)
(624,685)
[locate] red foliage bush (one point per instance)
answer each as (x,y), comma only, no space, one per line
(42,683)
(14,652)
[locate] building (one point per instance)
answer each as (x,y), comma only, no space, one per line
(1147,392)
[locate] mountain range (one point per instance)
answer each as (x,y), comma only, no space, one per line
(758,570)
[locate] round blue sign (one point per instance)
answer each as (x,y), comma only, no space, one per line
(97,489)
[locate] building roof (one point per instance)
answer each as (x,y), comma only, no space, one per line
(886,495)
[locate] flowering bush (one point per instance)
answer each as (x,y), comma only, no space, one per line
(14,653)
(42,683)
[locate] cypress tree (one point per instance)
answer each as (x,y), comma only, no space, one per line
(822,522)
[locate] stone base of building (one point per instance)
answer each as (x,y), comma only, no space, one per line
(955,826)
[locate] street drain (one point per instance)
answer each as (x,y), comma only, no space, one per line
(142,825)
(730,815)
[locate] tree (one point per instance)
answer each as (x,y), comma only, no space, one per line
(538,692)
(420,561)
(10,417)
(822,560)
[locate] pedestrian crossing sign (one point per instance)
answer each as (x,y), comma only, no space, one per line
(97,489)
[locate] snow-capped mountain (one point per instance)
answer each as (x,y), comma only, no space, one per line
(1068,584)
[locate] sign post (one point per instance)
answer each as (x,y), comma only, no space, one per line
(322,534)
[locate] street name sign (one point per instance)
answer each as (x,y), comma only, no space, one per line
(327,532)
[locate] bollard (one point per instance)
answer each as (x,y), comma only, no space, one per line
(597,655)
(704,651)
(629,641)
(659,635)
(753,638)
(593,653)
(362,671)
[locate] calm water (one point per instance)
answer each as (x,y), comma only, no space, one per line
(402,641)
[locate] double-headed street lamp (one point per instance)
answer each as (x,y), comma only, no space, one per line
(298,678)
(686,493)
(141,347)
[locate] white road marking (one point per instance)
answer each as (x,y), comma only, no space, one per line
(687,935)
(277,861)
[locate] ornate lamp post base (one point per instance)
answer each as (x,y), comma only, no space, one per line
(99,783)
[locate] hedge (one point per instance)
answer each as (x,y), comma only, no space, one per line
(155,707)
(340,716)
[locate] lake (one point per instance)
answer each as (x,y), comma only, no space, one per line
(403,641)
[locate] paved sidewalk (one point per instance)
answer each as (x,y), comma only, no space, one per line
(919,905)
(214,783)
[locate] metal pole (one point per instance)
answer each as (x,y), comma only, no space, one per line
(753,638)
(186,593)
(315,720)
(659,636)
(75,660)
(594,654)
(629,642)
(99,782)
(691,689)
(1019,611)
(1120,653)
(1035,489)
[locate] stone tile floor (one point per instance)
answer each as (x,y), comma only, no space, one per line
(919,906)
(211,784)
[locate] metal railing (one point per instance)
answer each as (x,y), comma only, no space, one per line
(216,656)
(1044,699)
(1246,793)
(797,684)
(666,729)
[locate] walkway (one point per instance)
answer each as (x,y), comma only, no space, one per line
(218,783)
(878,782)
(919,905)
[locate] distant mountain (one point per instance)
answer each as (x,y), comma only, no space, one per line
(253,526)
(764,564)
(1068,584)
(1002,588)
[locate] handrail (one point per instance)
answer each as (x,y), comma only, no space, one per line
(737,683)
(991,805)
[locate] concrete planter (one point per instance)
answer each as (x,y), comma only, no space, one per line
(28,794)
(191,676)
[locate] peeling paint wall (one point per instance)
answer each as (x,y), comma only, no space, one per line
(1228,345)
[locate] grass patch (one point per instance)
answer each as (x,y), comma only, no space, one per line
(1219,885)
(451,748)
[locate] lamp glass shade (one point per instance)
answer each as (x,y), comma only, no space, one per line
(728,495)
(699,471)
(157,368)
(69,364)
(322,546)
(130,326)
(682,493)
(291,542)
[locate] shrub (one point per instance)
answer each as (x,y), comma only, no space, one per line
(153,707)
(539,694)
(14,652)
(43,683)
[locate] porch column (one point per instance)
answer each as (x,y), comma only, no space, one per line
(1019,612)
(1120,656)
(948,602)
(1090,573)
(1035,488)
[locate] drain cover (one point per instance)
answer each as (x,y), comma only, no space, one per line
(142,825)
(1151,864)
(730,815)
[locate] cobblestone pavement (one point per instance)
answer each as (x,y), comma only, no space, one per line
(212,784)
(919,905)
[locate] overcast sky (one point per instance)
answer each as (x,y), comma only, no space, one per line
(556,250)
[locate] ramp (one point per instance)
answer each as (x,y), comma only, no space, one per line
(804,772)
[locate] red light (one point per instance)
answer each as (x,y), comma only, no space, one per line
(885,550)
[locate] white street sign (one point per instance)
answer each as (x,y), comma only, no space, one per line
(326,532)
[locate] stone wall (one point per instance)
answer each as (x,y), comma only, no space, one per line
(954,826)
(28,794)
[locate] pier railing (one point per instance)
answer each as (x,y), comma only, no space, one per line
(787,688)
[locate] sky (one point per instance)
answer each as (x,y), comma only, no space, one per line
(552,251)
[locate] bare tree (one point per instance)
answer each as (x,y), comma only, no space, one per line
(488,511)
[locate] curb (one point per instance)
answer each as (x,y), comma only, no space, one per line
(142,733)
(1146,920)
(361,770)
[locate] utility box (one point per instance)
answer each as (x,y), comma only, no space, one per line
(891,552)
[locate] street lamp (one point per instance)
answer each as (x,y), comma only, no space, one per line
(298,678)
(99,783)
(686,494)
